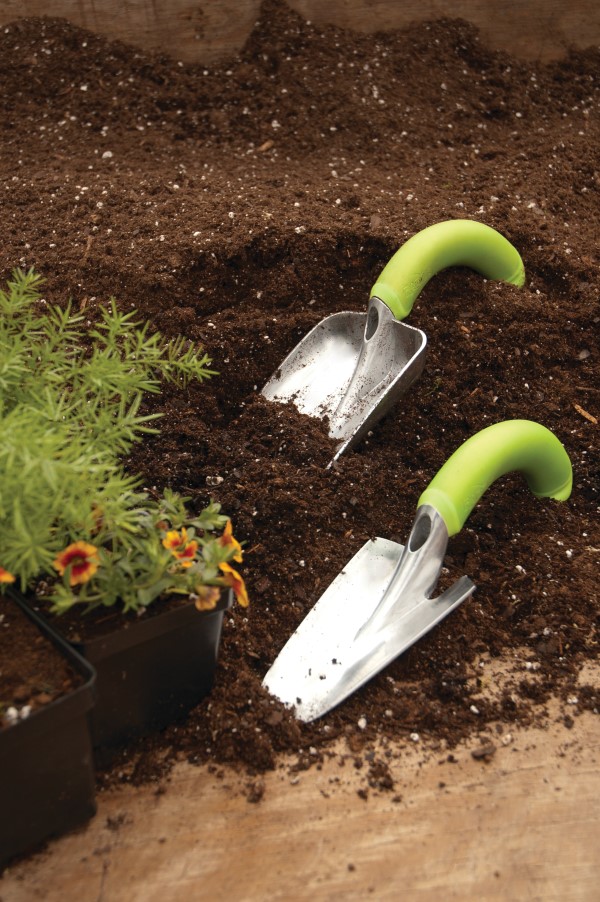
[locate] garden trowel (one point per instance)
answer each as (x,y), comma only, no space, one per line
(351,368)
(381,603)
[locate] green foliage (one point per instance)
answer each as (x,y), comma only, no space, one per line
(70,401)
(95,380)
(158,549)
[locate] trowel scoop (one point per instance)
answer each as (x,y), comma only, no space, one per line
(351,368)
(381,604)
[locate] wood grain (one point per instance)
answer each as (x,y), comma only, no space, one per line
(205,32)
(523,826)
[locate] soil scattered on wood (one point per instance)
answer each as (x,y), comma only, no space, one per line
(239,205)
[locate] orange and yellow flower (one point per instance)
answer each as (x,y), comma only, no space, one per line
(206,597)
(5,576)
(184,549)
(81,559)
(228,539)
(174,539)
(233,579)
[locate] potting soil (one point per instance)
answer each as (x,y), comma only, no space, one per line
(238,205)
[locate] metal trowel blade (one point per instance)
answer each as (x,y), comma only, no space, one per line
(329,628)
(350,370)
(316,374)
(324,661)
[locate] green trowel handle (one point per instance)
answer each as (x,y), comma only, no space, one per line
(519,445)
(456,242)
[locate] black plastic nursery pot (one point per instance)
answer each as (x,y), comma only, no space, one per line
(152,671)
(47,782)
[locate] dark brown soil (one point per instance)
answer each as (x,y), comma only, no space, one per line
(239,205)
(32,672)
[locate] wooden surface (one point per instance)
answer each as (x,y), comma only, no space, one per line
(523,826)
(204,32)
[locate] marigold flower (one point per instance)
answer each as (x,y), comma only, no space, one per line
(228,539)
(206,597)
(175,539)
(234,580)
(5,576)
(180,547)
(186,555)
(81,559)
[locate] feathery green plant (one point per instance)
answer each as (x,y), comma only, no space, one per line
(69,409)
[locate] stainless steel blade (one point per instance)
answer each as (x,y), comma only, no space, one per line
(375,609)
(350,369)
(329,628)
(317,372)
(350,668)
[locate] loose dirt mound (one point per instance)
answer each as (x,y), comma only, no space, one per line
(239,205)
